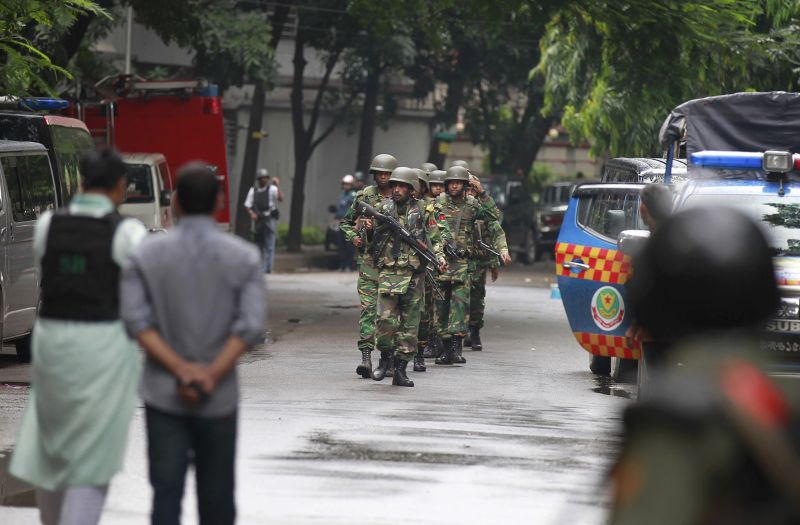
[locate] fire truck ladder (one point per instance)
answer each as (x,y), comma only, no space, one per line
(104,135)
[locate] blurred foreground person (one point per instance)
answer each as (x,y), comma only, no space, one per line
(714,442)
(194,299)
(85,368)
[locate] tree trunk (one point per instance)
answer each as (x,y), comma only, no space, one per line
(252,146)
(294,239)
(368,119)
(250,162)
(448,117)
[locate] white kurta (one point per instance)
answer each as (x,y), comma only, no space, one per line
(84,376)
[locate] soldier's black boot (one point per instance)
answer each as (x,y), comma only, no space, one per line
(365,368)
(446,357)
(430,348)
(457,357)
(419,360)
(383,365)
(400,378)
(475,335)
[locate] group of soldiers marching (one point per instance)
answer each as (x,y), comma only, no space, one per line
(426,239)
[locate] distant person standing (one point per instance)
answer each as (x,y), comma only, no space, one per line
(195,300)
(262,205)
(85,368)
(347,252)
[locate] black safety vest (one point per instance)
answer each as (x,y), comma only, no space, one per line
(80,279)
(261,199)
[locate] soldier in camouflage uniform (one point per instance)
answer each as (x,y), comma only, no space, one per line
(358,230)
(491,232)
(434,342)
(401,275)
(427,327)
(461,212)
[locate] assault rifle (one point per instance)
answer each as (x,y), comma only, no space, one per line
(483,246)
(419,247)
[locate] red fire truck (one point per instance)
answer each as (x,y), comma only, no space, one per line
(180,119)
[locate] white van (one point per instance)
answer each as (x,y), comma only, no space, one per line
(149,190)
(27,189)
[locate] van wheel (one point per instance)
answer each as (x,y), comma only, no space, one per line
(600,365)
(531,251)
(24,349)
(624,370)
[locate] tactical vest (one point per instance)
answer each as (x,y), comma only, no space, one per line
(391,251)
(80,279)
(261,200)
(373,197)
(461,220)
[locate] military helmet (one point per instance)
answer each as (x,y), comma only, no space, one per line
(703,270)
(407,175)
(422,175)
(437,177)
(462,163)
(359,176)
(428,167)
(457,173)
(383,162)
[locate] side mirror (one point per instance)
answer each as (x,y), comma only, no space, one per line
(631,242)
(332,208)
(165,199)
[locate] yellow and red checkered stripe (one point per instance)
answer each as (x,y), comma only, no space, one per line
(607,345)
(608,266)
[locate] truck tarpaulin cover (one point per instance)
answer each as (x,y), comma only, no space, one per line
(737,122)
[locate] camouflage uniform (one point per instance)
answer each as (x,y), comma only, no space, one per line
(367,271)
(493,235)
(401,277)
(427,322)
(452,312)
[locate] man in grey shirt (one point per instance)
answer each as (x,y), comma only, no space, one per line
(195,300)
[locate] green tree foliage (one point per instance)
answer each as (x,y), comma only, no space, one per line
(28,29)
(615,69)
(230,37)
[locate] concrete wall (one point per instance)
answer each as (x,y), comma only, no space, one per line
(407,138)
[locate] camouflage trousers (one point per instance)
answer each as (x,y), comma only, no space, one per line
(398,319)
(477,296)
(368,295)
(427,324)
(452,312)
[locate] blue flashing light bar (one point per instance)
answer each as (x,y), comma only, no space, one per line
(42,103)
(742,160)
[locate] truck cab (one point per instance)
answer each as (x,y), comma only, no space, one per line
(149,191)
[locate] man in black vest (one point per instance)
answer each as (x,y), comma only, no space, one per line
(85,368)
(261,204)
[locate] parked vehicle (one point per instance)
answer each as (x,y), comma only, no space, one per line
(602,218)
(65,138)
(518,218)
(549,214)
(27,189)
(148,197)
(180,119)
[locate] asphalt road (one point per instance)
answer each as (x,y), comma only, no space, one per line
(522,433)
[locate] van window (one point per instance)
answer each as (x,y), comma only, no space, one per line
(30,186)
(69,144)
(140,184)
(607,213)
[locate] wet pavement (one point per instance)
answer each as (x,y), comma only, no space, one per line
(523,433)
